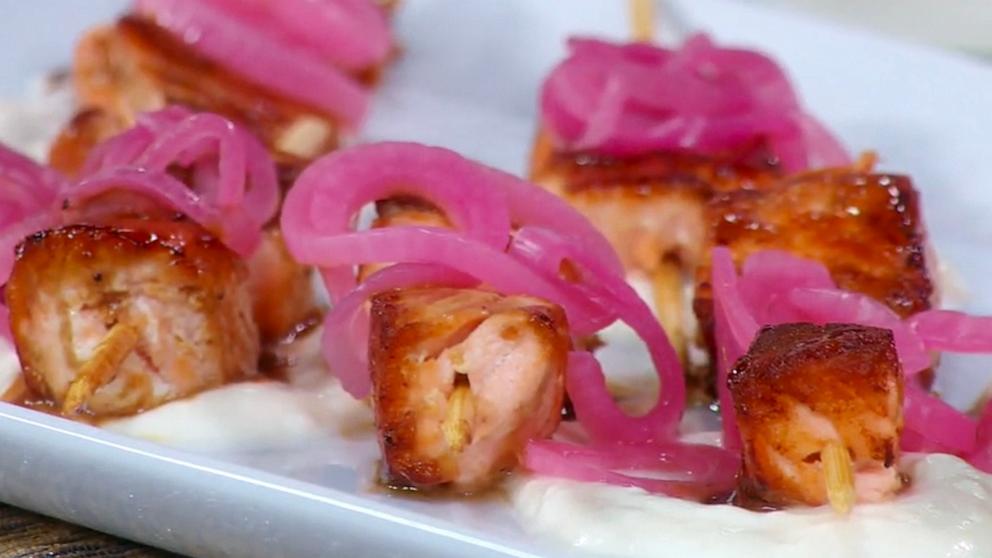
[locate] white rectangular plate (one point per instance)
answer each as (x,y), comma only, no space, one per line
(468,79)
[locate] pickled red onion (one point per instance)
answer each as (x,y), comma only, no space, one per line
(431,245)
(327,196)
(630,99)
(246,175)
(234,189)
(127,146)
(480,202)
(218,30)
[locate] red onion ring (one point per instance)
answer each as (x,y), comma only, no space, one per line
(26,185)
(250,51)
(126,147)
(240,158)
(329,193)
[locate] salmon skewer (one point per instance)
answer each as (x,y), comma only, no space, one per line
(116,318)
(820,415)
(462,379)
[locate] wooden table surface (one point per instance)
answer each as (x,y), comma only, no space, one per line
(28,535)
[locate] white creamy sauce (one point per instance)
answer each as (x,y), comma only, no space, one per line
(946,512)
(250,415)
(259,415)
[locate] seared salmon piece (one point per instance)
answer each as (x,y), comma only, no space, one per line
(282,290)
(820,415)
(462,379)
(650,207)
(136,66)
(408,211)
(112,320)
(865,228)
(87,128)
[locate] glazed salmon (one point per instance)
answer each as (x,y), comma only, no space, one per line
(115,319)
(650,207)
(820,415)
(865,227)
(462,379)
(282,290)
(87,128)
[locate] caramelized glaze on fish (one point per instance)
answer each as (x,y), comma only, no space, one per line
(462,379)
(112,320)
(820,415)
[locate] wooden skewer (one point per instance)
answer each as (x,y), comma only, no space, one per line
(866,161)
(642,20)
(101,367)
(839,477)
(666,289)
(461,408)
(16,391)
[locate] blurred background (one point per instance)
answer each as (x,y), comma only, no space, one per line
(964,25)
